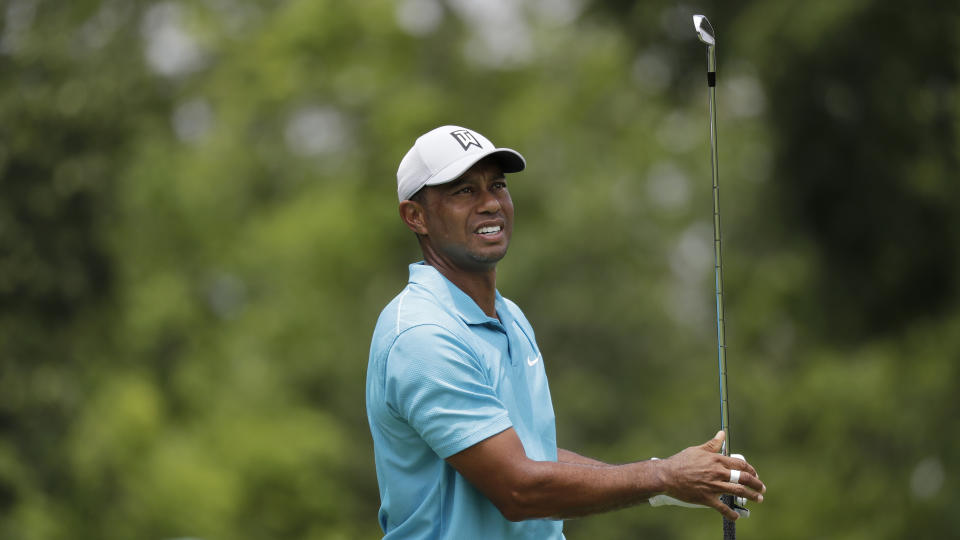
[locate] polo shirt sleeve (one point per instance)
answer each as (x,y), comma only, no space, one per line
(435,383)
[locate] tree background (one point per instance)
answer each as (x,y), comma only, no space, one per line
(198,229)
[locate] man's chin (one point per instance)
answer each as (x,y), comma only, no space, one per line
(488,258)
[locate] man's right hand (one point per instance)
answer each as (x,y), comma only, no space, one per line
(700,474)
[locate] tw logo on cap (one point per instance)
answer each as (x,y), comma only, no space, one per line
(465,138)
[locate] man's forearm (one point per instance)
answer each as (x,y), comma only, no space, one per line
(575,486)
(573,489)
(567,456)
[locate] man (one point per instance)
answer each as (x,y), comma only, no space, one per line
(457,396)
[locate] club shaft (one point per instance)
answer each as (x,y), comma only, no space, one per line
(718,254)
(729,527)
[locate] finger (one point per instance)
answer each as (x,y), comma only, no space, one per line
(739,464)
(735,476)
(715,444)
(744,491)
(718,505)
(743,478)
(752,482)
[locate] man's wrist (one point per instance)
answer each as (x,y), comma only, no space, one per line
(659,475)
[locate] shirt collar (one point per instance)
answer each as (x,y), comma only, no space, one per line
(451,296)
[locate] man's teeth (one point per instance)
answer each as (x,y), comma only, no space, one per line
(488,230)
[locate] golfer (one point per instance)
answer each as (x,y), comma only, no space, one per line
(457,395)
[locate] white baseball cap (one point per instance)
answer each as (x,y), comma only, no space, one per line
(443,154)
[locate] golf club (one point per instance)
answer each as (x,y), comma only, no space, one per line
(707,35)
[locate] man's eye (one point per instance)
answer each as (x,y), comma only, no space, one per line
(466,189)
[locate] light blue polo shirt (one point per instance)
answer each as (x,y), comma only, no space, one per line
(442,377)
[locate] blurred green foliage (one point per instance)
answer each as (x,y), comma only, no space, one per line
(198,229)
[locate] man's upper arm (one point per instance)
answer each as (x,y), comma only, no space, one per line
(437,384)
(495,466)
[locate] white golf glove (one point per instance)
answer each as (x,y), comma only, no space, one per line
(739,503)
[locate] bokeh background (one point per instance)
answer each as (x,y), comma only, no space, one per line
(198,229)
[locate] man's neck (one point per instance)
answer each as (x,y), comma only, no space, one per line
(480,286)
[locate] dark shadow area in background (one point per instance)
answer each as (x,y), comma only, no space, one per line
(866,166)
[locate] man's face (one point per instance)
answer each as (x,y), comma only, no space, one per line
(469,221)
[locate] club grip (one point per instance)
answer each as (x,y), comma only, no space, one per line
(729,527)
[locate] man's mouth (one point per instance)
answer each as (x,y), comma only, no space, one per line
(494,229)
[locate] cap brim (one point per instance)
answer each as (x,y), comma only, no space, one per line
(510,162)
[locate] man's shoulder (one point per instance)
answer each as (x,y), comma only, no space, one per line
(415,329)
(412,327)
(417,310)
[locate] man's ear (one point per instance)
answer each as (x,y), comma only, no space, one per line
(412,214)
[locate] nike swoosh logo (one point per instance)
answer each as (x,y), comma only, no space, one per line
(533,362)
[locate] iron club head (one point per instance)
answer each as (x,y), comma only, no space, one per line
(704,30)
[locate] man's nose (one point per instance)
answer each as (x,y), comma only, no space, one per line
(489,203)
